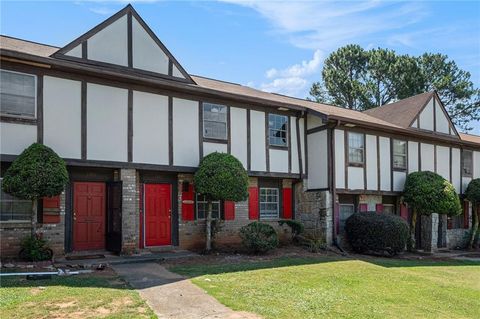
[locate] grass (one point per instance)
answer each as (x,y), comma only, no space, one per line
(348,288)
(82,296)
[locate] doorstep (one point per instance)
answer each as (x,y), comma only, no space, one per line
(111,259)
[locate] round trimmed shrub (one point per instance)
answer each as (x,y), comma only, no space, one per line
(259,237)
(377,233)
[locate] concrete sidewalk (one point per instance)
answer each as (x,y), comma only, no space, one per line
(173,296)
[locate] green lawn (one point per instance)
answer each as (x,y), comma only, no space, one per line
(332,288)
(82,296)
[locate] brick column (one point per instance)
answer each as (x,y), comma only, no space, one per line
(130,211)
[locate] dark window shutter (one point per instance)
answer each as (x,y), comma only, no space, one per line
(466,206)
(253,203)
(188,203)
(379,208)
(336,213)
(287,203)
(404,212)
(114,216)
(51,210)
(363,208)
(229,208)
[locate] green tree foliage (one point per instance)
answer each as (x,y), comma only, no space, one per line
(358,79)
(427,193)
(37,172)
(220,176)
(472,193)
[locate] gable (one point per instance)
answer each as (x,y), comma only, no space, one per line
(124,40)
(433,117)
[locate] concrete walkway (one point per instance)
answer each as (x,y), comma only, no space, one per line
(173,296)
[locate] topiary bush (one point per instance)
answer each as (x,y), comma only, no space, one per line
(259,237)
(377,233)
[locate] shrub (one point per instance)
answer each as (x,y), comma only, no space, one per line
(295,226)
(35,248)
(259,237)
(378,233)
(314,243)
(473,195)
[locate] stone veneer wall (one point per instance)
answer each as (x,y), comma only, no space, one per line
(192,233)
(314,209)
(130,210)
(12,234)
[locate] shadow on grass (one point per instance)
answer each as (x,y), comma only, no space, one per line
(209,269)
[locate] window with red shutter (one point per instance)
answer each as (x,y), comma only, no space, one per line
(229,208)
(363,208)
(51,210)
(188,211)
(404,211)
(379,208)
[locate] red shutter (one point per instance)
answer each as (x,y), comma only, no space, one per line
(466,206)
(229,210)
(188,212)
(287,203)
(379,208)
(51,210)
(336,213)
(363,208)
(404,212)
(253,203)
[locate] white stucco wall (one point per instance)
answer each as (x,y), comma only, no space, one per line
(426,117)
(294,146)
(75,52)
(238,134)
(185,132)
(110,44)
(278,161)
(257,141)
(371,165)
(443,161)
(14,138)
(339,136)
(399,180)
(214,147)
(317,160)
(456,180)
(442,124)
(427,157)
(412,157)
(355,178)
(147,55)
(385,164)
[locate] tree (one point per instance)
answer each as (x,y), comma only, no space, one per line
(358,79)
(427,193)
(36,173)
(220,176)
(473,195)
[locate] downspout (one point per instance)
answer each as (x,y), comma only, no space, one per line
(332,184)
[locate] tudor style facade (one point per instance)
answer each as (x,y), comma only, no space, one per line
(133,125)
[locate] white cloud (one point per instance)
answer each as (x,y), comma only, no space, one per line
(298,70)
(103,10)
(327,25)
(291,86)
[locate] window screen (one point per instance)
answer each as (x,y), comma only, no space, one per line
(356,148)
(14,209)
(269,203)
(17,94)
(467,164)
(202,208)
(399,154)
(214,121)
(277,130)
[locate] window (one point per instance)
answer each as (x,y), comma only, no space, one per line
(356,148)
(346,210)
(399,154)
(467,164)
(14,209)
(17,94)
(277,130)
(389,209)
(202,208)
(269,200)
(214,121)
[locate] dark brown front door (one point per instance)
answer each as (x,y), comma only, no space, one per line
(88,216)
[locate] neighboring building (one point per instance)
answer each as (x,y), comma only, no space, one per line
(132,126)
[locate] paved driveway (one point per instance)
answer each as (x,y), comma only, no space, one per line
(173,296)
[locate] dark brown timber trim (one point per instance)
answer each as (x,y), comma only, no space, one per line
(267,143)
(378,164)
(435,157)
(299,145)
(365,161)
(130,126)
(289,136)
(345,150)
(84,50)
(450,165)
(317,129)
(129,40)
(200,130)
(391,164)
(40,109)
(249,148)
(18,120)
(84,120)
(170,130)
(305,153)
(419,156)
(229,131)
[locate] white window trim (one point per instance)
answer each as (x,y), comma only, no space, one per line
(203,122)
(286,130)
(205,202)
(399,154)
(17,221)
(356,148)
(35,103)
(260,202)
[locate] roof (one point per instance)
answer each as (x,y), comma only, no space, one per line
(397,115)
(24,46)
(329,110)
(469,138)
(403,112)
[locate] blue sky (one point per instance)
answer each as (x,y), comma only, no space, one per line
(271,45)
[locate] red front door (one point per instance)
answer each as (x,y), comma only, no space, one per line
(158,214)
(88,216)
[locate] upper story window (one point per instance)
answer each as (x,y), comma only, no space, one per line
(214,121)
(202,208)
(269,203)
(13,209)
(277,130)
(467,163)
(399,154)
(356,148)
(17,94)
